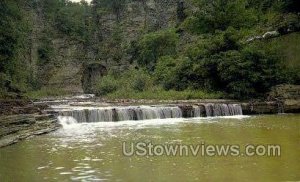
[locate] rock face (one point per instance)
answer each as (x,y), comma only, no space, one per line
(20,119)
(282,99)
(66,74)
(10,107)
(285,92)
(271,107)
(117,31)
(91,73)
(70,55)
(14,128)
(253,108)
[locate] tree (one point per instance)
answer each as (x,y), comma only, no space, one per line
(154,45)
(219,15)
(13,32)
(250,72)
(70,19)
(116,6)
(291,5)
(175,73)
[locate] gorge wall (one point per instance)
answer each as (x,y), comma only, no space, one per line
(69,57)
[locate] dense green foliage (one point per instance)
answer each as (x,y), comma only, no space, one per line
(221,14)
(116,6)
(174,73)
(14,29)
(154,45)
(129,81)
(139,84)
(206,52)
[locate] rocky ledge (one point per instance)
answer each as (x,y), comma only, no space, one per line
(20,119)
(282,99)
(14,128)
(271,107)
(20,106)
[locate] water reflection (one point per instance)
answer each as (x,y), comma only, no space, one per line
(92,152)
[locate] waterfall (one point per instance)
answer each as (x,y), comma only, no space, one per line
(131,113)
(235,109)
(209,110)
(197,111)
(123,114)
(223,110)
(66,121)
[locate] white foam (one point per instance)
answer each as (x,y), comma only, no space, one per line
(67,121)
(144,123)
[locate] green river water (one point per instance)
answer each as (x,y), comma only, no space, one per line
(93,152)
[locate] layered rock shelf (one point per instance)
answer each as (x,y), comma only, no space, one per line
(21,119)
(14,128)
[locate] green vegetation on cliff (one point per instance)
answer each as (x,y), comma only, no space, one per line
(177,49)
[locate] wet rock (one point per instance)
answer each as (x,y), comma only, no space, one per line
(13,107)
(187,111)
(115,115)
(15,128)
(202,109)
(292,106)
(260,108)
(284,92)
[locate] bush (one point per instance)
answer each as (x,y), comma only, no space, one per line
(106,85)
(209,45)
(154,45)
(135,80)
(219,15)
(251,72)
(173,73)
(129,81)
(71,20)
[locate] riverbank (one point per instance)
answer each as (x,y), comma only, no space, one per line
(15,128)
(21,119)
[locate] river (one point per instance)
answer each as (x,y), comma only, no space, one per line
(93,151)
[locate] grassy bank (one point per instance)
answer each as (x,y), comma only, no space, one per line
(166,95)
(46,92)
(156,94)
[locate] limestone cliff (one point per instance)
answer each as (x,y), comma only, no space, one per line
(108,47)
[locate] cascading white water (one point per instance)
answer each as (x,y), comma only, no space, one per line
(223,110)
(110,114)
(67,121)
(235,109)
(197,111)
(123,114)
(209,110)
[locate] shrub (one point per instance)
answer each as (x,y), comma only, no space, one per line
(154,45)
(70,20)
(251,72)
(219,15)
(173,73)
(106,85)
(129,81)
(137,80)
